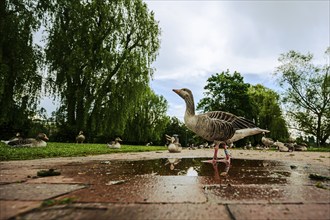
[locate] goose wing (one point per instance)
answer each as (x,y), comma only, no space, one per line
(22,142)
(237,122)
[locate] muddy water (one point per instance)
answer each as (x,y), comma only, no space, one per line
(173,180)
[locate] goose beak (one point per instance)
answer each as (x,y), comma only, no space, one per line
(177,91)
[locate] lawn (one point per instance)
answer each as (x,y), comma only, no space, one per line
(67,150)
(75,150)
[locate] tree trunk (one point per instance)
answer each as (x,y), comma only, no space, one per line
(318,130)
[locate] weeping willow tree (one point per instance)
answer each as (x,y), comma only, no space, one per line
(20,60)
(149,121)
(99,55)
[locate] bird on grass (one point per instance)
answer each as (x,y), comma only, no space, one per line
(115,144)
(80,137)
(221,127)
(39,141)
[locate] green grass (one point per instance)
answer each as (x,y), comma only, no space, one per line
(67,150)
(319,149)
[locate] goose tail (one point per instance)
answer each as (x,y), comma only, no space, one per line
(6,142)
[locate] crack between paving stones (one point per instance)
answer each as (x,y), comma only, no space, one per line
(231,215)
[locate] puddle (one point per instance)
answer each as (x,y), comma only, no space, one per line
(191,180)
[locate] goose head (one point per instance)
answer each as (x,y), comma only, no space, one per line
(118,139)
(188,97)
(42,136)
(184,93)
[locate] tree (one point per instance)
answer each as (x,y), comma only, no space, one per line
(226,92)
(99,55)
(149,121)
(307,93)
(267,112)
(20,59)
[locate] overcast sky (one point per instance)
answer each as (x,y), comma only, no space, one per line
(201,38)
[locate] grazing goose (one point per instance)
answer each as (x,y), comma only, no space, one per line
(115,144)
(39,141)
(221,127)
(80,137)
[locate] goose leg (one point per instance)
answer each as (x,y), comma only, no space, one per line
(225,147)
(215,156)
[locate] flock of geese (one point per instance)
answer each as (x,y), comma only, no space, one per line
(40,141)
(221,128)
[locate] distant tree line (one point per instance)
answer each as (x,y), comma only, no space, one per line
(97,62)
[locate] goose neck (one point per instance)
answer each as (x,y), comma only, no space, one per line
(190,107)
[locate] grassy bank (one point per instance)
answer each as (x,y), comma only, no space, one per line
(67,150)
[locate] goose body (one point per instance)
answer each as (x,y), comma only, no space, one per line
(267,141)
(39,141)
(281,147)
(174,146)
(115,144)
(218,126)
(80,137)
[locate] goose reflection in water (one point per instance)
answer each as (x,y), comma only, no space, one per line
(172,162)
(222,174)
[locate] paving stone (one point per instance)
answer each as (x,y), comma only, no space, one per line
(145,189)
(280,211)
(24,191)
(54,179)
(227,194)
(10,209)
(19,175)
(133,211)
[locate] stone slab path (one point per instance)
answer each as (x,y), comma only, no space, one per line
(161,197)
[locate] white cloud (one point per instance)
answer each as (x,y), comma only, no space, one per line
(201,38)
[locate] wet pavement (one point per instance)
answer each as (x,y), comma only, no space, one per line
(166,186)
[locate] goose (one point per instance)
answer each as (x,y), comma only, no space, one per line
(281,146)
(172,162)
(174,146)
(220,127)
(266,141)
(39,141)
(17,137)
(80,137)
(115,144)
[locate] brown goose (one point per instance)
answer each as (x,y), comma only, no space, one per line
(80,138)
(39,141)
(115,144)
(268,142)
(221,127)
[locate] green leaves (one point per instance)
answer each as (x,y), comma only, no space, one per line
(100,54)
(307,93)
(226,92)
(20,62)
